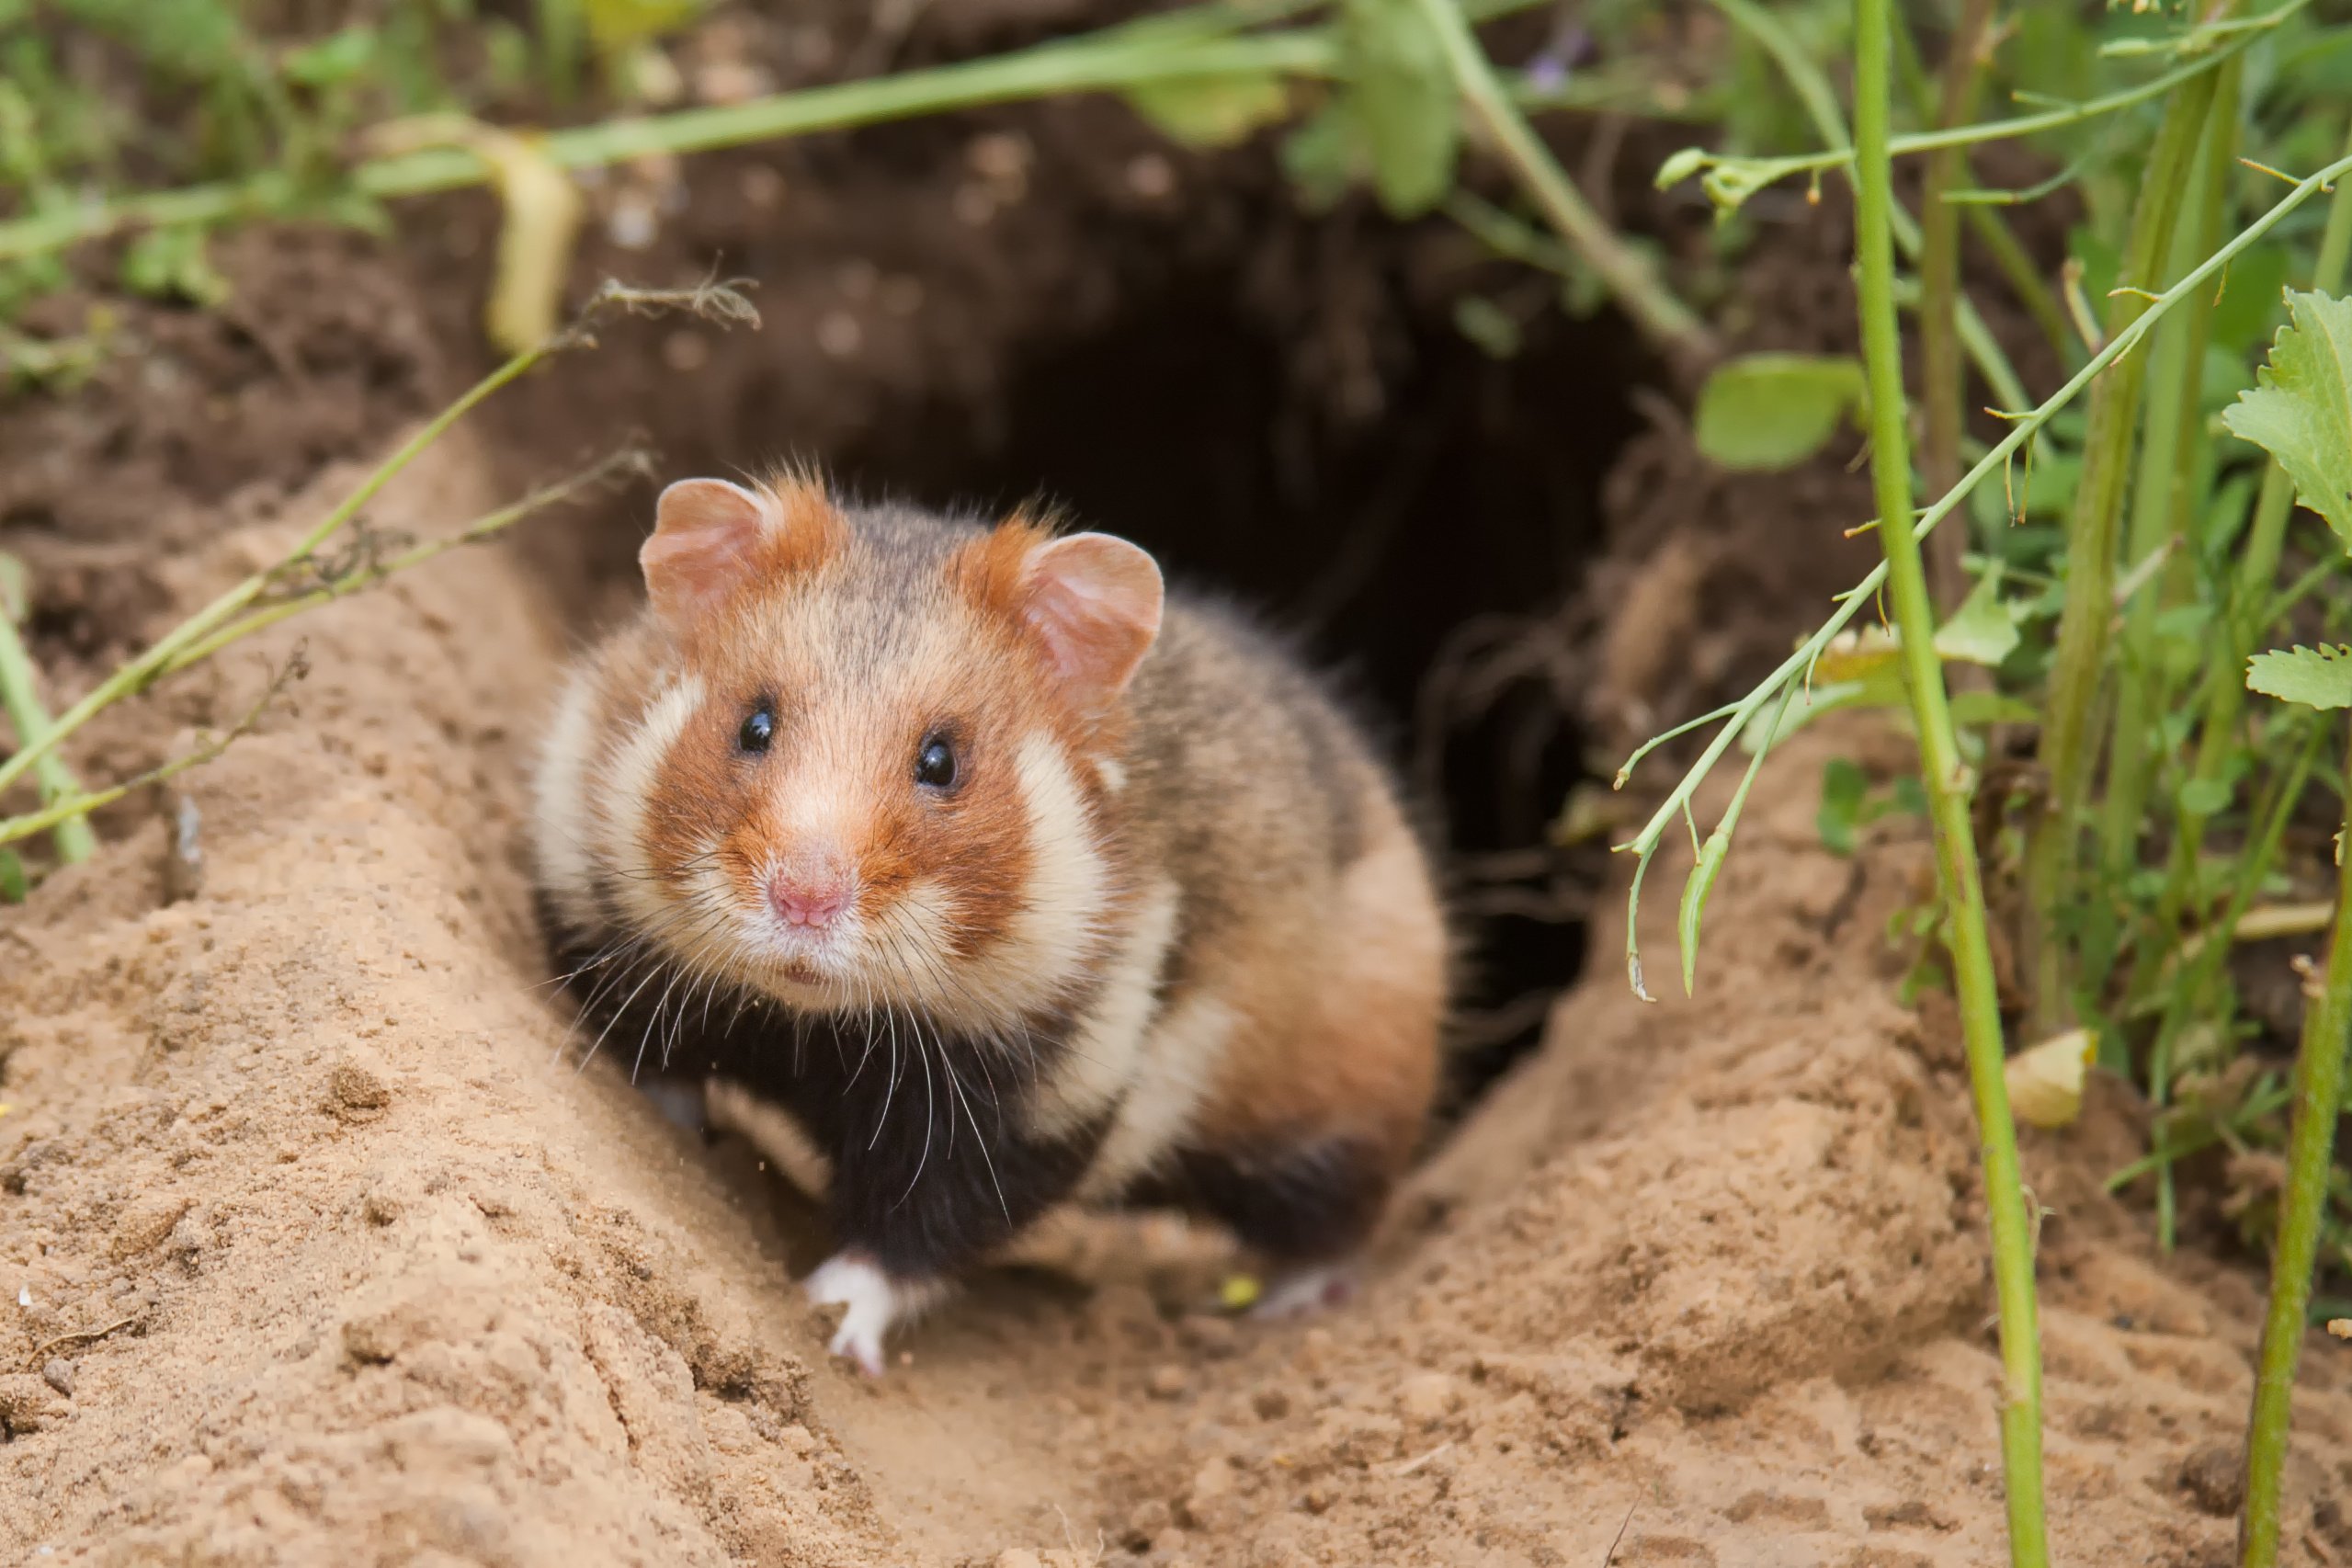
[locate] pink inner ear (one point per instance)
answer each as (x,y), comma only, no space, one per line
(1094,601)
(705,536)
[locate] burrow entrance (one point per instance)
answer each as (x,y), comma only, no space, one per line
(1421,506)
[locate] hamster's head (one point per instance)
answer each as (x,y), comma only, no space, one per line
(881,770)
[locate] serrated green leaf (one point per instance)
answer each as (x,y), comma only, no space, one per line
(1407,108)
(1983,631)
(1212,112)
(1767,411)
(1843,786)
(2301,410)
(1694,901)
(2317,678)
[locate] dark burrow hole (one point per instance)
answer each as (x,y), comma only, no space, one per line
(1463,517)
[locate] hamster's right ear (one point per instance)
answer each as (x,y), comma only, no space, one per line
(712,539)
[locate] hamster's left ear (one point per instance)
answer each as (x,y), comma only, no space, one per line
(712,539)
(1094,602)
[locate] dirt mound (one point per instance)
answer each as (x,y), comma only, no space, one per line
(318,1251)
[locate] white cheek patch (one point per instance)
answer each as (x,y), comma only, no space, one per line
(1178,1062)
(1112,772)
(628,790)
(1105,1055)
(566,862)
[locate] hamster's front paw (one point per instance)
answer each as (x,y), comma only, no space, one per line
(1306,1290)
(853,1282)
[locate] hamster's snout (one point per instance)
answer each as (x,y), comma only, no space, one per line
(811,895)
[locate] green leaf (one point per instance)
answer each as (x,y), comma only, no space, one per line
(1694,901)
(2314,677)
(1212,112)
(1773,411)
(1983,631)
(1991,708)
(1407,108)
(1321,157)
(1843,786)
(14,884)
(2301,411)
(170,264)
(1487,324)
(2203,797)
(338,57)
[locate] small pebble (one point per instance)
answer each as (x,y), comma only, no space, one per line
(1427,1396)
(1168,1381)
(59,1375)
(1271,1404)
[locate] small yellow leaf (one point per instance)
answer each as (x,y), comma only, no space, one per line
(2340,1328)
(1853,654)
(542,219)
(2046,1082)
(2268,920)
(1238,1291)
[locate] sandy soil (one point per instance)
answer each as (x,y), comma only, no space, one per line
(318,1251)
(314,1248)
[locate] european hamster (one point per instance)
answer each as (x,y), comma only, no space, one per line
(1012,879)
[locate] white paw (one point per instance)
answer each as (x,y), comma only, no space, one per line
(875,1301)
(1306,1290)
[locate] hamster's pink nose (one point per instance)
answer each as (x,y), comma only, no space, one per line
(814,900)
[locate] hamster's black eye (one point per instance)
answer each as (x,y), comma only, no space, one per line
(757,730)
(935,765)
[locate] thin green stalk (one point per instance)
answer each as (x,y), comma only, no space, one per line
(1108,61)
(20,698)
(2319,1095)
(2023,276)
(1949,787)
(2190,991)
(2173,432)
(1739,715)
(1943,380)
(1627,275)
(1757,173)
(368,575)
(143,671)
(2069,748)
(2224,702)
(1820,101)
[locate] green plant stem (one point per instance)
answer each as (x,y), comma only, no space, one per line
(2171,437)
(1943,380)
(2069,748)
(1820,101)
(1738,716)
(20,698)
(714,303)
(2318,1094)
(1194,43)
(1760,172)
(2222,704)
(150,666)
(1627,275)
(1950,788)
(2191,990)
